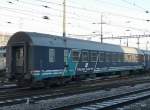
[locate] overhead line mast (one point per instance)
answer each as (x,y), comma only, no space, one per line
(101,28)
(64,19)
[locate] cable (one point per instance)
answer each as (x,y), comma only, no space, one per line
(26,12)
(29,11)
(85,16)
(88,10)
(128,27)
(146,11)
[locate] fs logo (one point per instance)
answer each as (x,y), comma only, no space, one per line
(86,65)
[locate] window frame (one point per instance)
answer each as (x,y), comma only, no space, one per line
(108,57)
(51,51)
(85,51)
(65,55)
(73,57)
(114,57)
(91,56)
(101,57)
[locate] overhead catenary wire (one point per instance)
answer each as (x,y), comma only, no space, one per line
(96,11)
(128,27)
(88,10)
(32,13)
(135,5)
(85,16)
(70,16)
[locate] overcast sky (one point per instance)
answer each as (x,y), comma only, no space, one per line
(83,17)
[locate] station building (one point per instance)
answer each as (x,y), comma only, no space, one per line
(4,37)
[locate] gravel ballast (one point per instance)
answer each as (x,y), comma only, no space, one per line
(74,99)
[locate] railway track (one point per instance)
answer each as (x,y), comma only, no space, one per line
(27,95)
(112,102)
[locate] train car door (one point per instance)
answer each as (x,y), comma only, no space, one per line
(18,59)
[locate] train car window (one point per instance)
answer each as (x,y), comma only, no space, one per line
(114,57)
(129,58)
(126,57)
(137,58)
(133,58)
(94,56)
(75,55)
(148,58)
(141,58)
(65,55)
(51,55)
(101,57)
(19,57)
(121,58)
(108,57)
(4,55)
(118,57)
(85,56)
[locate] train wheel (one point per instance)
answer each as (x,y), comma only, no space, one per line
(82,77)
(47,83)
(23,83)
(92,76)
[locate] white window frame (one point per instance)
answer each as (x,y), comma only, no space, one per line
(101,59)
(51,57)
(78,56)
(94,56)
(83,60)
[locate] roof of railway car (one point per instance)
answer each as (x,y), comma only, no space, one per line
(2,49)
(58,41)
(146,52)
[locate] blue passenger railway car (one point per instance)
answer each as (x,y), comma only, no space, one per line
(34,57)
